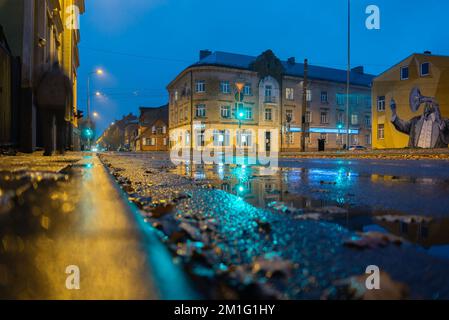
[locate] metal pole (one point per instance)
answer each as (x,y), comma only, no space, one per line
(304,107)
(348,76)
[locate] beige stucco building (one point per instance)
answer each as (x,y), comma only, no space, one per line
(204,98)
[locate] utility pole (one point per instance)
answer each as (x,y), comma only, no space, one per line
(348,75)
(304,124)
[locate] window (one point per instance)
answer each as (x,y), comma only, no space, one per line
(187,138)
(225,112)
(221,138)
(186,114)
(381,131)
(309,95)
(425,69)
(164,129)
(150,141)
(248,90)
(200,86)
(153,130)
(201,111)
(248,113)
(341,99)
(268,114)
(309,117)
(404,73)
(368,121)
(354,119)
(381,103)
(341,118)
(289,115)
(225,87)
(165,141)
(289,94)
(245,138)
(324,98)
(176,95)
(355,140)
(200,141)
(368,139)
(324,118)
(290,139)
(268,91)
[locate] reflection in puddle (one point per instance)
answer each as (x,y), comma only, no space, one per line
(341,194)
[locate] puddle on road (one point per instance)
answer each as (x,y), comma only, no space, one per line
(415,208)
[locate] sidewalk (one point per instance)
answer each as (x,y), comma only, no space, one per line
(390,154)
(76,218)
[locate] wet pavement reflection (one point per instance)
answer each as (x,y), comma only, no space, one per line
(74,218)
(407,198)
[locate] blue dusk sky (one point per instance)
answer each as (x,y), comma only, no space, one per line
(143,44)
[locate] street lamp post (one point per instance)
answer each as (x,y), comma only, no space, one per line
(348,75)
(97,72)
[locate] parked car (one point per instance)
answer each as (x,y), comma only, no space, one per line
(357,148)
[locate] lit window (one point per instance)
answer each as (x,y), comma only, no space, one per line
(221,138)
(309,95)
(354,119)
(404,73)
(245,138)
(425,69)
(176,95)
(289,93)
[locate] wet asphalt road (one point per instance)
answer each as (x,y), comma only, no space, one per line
(348,195)
(77,218)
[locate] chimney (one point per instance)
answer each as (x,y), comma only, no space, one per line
(291,61)
(205,54)
(358,69)
(427,52)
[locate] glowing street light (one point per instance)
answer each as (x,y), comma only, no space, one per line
(95,114)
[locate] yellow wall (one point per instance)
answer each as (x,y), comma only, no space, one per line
(389,85)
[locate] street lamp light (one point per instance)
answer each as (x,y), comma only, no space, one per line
(95,114)
(98,72)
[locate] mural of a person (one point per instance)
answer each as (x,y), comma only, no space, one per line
(428,130)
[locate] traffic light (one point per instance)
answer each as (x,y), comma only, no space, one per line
(79,114)
(88,133)
(239,112)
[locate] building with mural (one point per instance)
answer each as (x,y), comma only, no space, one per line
(415,85)
(206,97)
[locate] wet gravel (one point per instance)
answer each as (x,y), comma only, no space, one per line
(233,249)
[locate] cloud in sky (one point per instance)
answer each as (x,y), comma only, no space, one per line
(113,16)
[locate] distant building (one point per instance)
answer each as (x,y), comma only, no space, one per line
(427,72)
(206,93)
(38,34)
(131,133)
(116,138)
(153,129)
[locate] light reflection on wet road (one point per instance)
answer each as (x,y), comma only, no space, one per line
(367,189)
(81,221)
